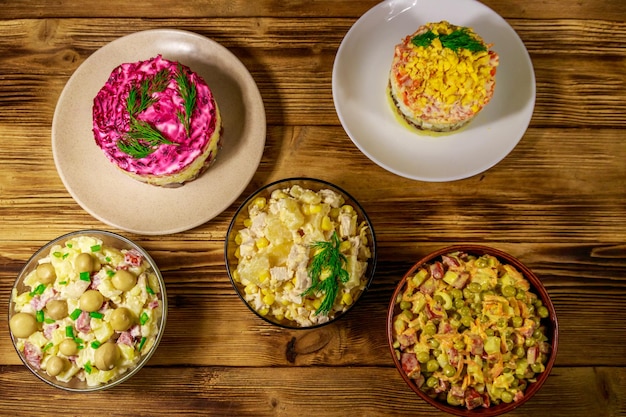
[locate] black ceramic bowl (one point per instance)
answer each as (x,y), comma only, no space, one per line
(294,311)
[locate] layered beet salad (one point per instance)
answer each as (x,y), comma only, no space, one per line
(158,122)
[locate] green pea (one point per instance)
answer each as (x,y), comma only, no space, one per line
(454,401)
(506,397)
(449,371)
(509,291)
(489,332)
(536,367)
(484,319)
(422,357)
(520,352)
(456,293)
(529,342)
(474,287)
(521,295)
(481,263)
(455,323)
(432,365)
(543,312)
(517,321)
(459,303)
(467,294)
(459,345)
(465,311)
(405,305)
(430,328)
(432,382)
(537,334)
(466,321)
(433,343)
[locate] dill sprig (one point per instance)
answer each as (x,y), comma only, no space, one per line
(188,93)
(142,138)
(330,261)
(459,39)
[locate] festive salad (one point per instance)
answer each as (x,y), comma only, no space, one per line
(90,311)
(302,255)
(468,330)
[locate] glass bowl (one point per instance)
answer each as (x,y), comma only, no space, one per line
(58,321)
(491,337)
(268,259)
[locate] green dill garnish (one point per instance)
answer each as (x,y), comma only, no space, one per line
(459,39)
(424,39)
(142,138)
(327,261)
(188,93)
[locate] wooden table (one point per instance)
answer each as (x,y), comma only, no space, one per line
(557,202)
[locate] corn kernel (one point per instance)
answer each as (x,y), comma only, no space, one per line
(262,242)
(269,299)
(345,246)
(259,202)
(251,289)
(346,298)
(238,239)
(279,317)
(264,276)
(263,311)
(326,224)
(315,208)
(247,222)
(237,253)
(347,208)
(317,303)
(284,302)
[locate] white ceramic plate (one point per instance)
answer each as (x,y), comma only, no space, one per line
(360,76)
(120,201)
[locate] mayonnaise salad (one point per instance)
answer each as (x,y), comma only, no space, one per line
(276,247)
(90,311)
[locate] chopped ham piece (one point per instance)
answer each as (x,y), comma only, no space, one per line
(133,257)
(126,339)
(450,261)
(83,322)
(33,355)
(410,365)
(436,270)
(473,399)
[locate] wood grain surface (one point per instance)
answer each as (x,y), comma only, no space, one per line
(557,202)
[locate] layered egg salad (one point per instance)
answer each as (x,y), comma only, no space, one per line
(302,255)
(469,331)
(90,311)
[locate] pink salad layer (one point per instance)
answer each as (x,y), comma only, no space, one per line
(111,118)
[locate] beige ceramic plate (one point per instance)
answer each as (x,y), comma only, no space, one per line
(120,201)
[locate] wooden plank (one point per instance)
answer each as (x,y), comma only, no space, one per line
(291,391)
(600,9)
(295,78)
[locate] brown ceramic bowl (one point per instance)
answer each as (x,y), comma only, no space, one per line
(550,324)
(237,224)
(36,363)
